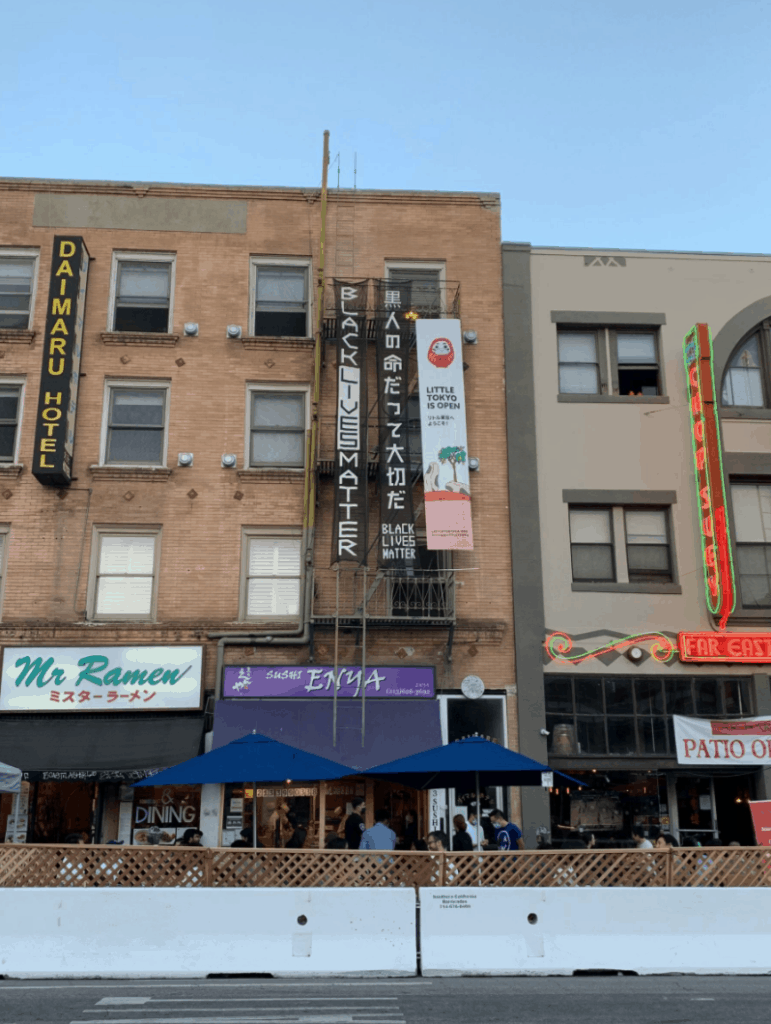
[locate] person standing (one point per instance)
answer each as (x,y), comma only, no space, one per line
(354,824)
(380,836)
(507,835)
(474,828)
(461,840)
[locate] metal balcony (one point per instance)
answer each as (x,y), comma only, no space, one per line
(399,597)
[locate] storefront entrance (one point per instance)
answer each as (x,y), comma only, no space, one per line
(60,809)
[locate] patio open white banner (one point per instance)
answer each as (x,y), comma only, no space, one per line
(727,741)
(446,486)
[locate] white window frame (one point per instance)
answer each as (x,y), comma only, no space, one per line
(134,385)
(272,533)
(289,388)
(96,543)
(124,256)
(619,542)
(26,254)
(21,384)
(422,265)
(281,261)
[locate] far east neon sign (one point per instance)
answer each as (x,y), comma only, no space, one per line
(705,435)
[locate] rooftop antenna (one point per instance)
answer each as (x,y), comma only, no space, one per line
(354,172)
(336,160)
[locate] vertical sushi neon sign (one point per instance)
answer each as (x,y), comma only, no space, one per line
(708,464)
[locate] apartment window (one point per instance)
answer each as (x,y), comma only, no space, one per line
(142,290)
(744,376)
(10,415)
(281,307)
(647,546)
(752,530)
(618,360)
(272,577)
(579,368)
(591,545)
(125,575)
(619,544)
(420,289)
(17,280)
(278,428)
(135,424)
(633,716)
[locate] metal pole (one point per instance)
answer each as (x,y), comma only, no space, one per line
(254,815)
(479,814)
(363,653)
(337,640)
(16,802)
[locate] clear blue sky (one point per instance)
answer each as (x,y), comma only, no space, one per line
(601,123)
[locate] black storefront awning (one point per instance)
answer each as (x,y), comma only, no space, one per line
(98,748)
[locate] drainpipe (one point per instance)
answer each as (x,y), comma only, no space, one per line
(295,638)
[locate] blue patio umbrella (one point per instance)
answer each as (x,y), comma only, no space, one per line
(255,758)
(466,764)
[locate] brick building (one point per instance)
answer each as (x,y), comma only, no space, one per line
(177,533)
(608,522)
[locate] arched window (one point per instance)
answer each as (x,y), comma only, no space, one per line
(743,380)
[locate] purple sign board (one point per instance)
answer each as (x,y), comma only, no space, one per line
(317,681)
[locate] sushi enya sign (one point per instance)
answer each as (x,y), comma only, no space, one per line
(316,681)
(101,679)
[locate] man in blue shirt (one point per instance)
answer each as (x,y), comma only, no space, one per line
(507,835)
(380,836)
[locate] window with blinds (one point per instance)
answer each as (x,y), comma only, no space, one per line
(125,578)
(273,577)
(142,295)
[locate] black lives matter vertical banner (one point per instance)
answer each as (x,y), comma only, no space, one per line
(349,534)
(397,549)
(57,402)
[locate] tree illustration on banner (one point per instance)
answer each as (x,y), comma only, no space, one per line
(455,456)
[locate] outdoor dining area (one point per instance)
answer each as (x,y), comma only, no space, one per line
(257,763)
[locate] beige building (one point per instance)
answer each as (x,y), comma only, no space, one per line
(606,527)
(184,517)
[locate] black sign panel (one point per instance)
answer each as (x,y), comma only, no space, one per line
(349,535)
(57,403)
(397,549)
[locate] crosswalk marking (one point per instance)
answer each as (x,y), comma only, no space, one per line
(327,1018)
(138,1000)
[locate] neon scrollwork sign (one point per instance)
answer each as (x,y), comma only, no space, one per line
(559,645)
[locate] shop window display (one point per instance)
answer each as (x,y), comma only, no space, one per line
(162,814)
(623,716)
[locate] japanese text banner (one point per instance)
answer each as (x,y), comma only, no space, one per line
(446,485)
(398,548)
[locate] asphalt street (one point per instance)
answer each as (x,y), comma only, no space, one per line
(584,1000)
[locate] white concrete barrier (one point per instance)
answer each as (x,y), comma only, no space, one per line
(133,932)
(558,931)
